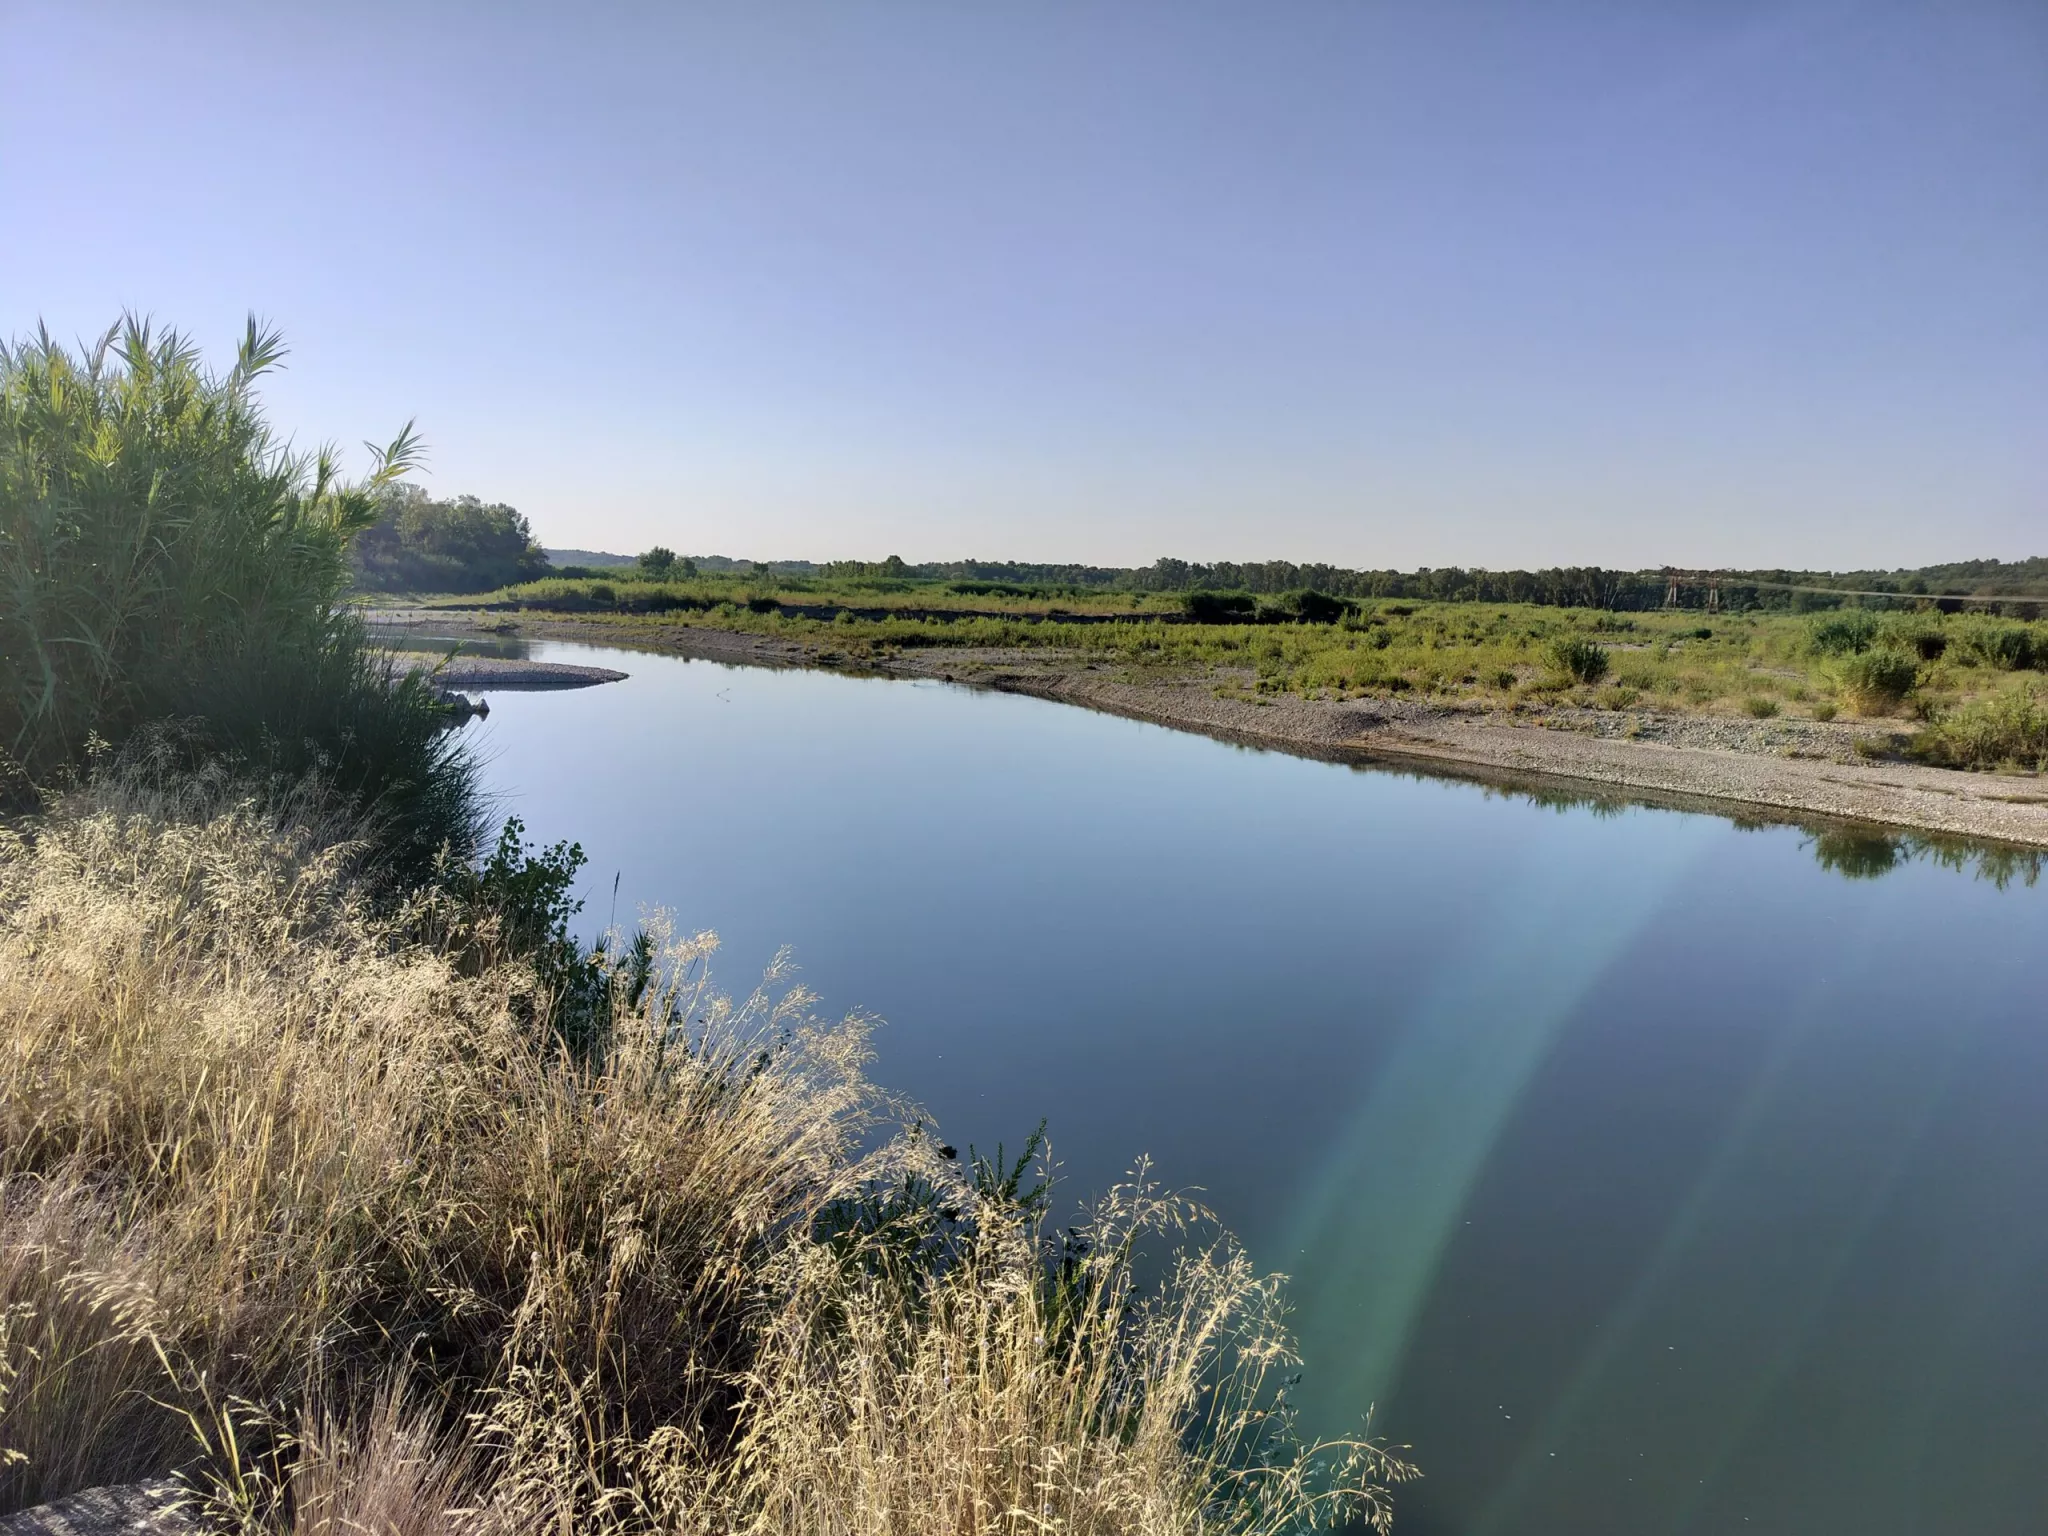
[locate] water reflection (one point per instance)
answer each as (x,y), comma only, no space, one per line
(1853,850)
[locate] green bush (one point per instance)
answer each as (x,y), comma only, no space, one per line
(165,557)
(1877,680)
(1846,632)
(2008,647)
(1314,607)
(1219,607)
(1579,658)
(1920,633)
(2008,730)
(1760,707)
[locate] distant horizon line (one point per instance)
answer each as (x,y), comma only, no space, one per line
(1694,570)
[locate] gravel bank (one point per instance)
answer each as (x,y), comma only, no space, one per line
(1791,768)
(481,674)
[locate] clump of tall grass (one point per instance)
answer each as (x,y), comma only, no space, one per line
(164,556)
(330,1221)
(1878,680)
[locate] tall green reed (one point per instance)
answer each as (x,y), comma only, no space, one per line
(165,555)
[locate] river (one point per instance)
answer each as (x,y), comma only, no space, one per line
(1642,1170)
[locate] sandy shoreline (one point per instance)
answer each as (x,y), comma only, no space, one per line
(1782,768)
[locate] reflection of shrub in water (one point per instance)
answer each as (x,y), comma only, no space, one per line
(1856,854)
(1865,853)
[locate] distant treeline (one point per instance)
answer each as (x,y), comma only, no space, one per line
(1559,586)
(464,545)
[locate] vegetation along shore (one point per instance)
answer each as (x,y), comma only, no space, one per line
(1893,711)
(344,1188)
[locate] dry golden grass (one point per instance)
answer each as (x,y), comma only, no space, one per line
(296,1208)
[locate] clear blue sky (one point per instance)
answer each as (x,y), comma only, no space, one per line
(1386,284)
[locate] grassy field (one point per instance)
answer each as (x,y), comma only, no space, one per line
(1970,683)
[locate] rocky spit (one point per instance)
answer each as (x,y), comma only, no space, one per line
(483,673)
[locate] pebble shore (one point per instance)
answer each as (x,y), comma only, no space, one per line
(1839,770)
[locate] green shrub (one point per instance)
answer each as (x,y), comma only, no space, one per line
(2008,730)
(2008,647)
(1314,607)
(603,592)
(1877,680)
(1920,633)
(1825,710)
(1219,607)
(1759,707)
(1581,659)
(1847,632)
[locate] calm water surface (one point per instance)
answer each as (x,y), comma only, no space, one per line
(1648,1173)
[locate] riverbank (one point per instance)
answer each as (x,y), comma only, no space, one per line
(1841,770)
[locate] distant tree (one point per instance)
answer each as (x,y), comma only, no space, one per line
(465,545)
(658,561)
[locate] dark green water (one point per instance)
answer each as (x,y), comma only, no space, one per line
(1650,1174)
